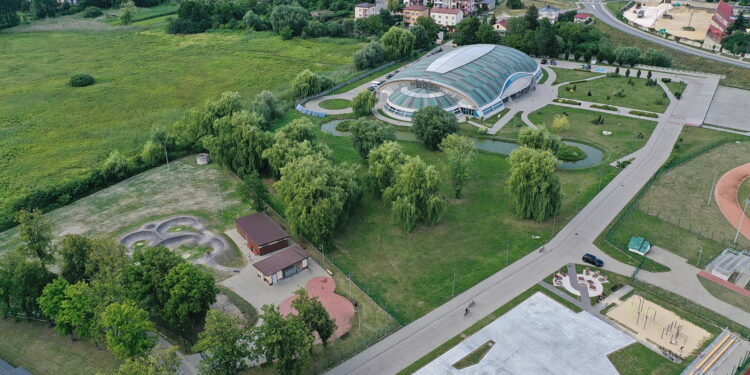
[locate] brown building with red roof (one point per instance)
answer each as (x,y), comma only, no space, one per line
(414,11)
(262,234)
(282,265)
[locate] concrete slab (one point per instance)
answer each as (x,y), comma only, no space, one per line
(539,336)
(729,108)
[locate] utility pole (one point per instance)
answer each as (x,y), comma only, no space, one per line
(741,218)
(507,252)
(453,293)
(700,252)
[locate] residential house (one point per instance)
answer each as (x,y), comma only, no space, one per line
(413,12)
(282,265)
(447,17)
(549,12)
(501,26)
(486,4)
(365,10)
(582,18)
(720,21)
(263,235)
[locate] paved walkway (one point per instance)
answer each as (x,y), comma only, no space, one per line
(423,335)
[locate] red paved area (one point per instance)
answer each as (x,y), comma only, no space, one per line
(726,197)
(725,284)
(339,308)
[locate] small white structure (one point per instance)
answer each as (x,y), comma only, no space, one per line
(202,159)
(731,262)
(365,10)
(549,12)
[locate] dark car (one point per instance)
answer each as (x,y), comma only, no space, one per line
(544,61)
(388,76)
(553,62)
(373,88)
(592,260)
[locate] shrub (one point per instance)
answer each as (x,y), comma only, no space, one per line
(369,56)
(566,101)
(286,33)
(598,121)
(678,95)
(620,93)
(604,107)
(644,114)
(568,152)
(666,80)
(92,12)
(344,126)
(81,80)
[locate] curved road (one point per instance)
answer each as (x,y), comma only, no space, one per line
(598,9)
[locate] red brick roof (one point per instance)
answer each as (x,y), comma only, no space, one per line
(416,7)
(282,259)
(446,10)
(724,10)
(503,23)
(582,15)
(261,229)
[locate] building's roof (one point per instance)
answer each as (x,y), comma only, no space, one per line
(487,2)
(503,23)
(478,72)
(639,244)
(724,10)
(261,228)
(365,5)
(416,7)
(280,260)
(446,10)
(549,8)
(582,15)
(411,97)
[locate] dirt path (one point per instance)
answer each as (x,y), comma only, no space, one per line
(725,194)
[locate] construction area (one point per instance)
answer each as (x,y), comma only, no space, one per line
(652,323)
(690,22)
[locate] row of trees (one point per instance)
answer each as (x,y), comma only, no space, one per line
(541,38)
(397,43)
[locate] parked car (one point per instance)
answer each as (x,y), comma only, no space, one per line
(377,83)
(592,260)
(544,61)
(388,76)
(373,87)
(553,62)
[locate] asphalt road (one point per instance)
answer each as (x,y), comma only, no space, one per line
(598,9)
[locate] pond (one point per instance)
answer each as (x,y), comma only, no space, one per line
(593,155)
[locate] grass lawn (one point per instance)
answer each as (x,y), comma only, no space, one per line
(735,76)
(474,357)
(50,131)
(545,76)
(335,104)
(622,142)
(637,359)
(39,349)
(448,345)
(603,90)
(615,6)
(676,86)
(727,295)
(467,242)
(744,191)
(569,75)
(513,127)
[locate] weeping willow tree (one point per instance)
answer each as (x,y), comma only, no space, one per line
(414,194)
(533,186)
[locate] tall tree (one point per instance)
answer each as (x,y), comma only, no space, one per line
(191,293)
(533,185)
(75,250)
(628,55)
(200,122)
(127,12)
(383,161)
(224,344)
(239,143)
(368,134)
(22,282)
(35,233)
(284,340)
(318,195)
(9,13)
(393,5)
(158,362)
(466,31)
(79,311)
(129,333)
(256,190)
(546,40)
(314,315)
(363,103)
(145,277)
(532,17)
(461,153)
(398,43)
(539,138)
(369,56)
(430,26)
(268,107)
(51,304)
(293,17)
(414,194)
(431,124)
(307,83)
(422,39)
(486,34)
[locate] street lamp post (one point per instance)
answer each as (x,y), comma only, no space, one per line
(741,218)
(700,252)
